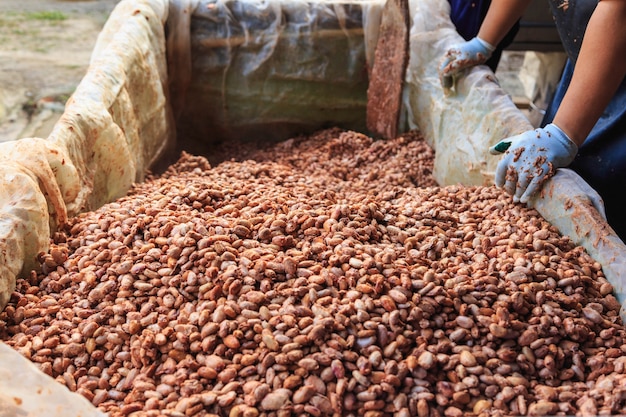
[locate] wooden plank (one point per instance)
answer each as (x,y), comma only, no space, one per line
(384,93)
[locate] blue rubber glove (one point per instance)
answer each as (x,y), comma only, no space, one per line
(530,159)
(468,54)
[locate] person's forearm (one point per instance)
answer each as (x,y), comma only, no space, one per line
(500,18)
(600,69)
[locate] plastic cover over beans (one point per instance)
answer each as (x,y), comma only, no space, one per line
(327,276)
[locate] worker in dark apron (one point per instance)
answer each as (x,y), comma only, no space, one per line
(585,125)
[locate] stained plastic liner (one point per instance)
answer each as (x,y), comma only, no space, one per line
(28,392)
(227,70)
(268,70)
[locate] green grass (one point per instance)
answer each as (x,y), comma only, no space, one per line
(49,16)
(21,32)
(13,21)
(9,22)
(28,24)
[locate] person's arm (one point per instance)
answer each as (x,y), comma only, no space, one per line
(599,70)
(500,18)
(532,157)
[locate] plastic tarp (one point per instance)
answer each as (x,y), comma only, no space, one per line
(36,394)
(268,70)
(462,125)
(539,75)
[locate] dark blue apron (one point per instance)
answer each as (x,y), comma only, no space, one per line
(467,16)
(601,159)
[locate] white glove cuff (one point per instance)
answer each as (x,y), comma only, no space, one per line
(486,44)
(564,140)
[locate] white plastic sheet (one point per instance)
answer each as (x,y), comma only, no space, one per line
(266,70)
(36,178)
(539,75)
(576,209)
(25,391)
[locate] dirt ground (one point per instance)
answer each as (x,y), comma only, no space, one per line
(45,46)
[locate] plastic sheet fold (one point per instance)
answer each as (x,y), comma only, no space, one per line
(36,394)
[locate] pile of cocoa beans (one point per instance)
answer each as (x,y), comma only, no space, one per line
(326,276)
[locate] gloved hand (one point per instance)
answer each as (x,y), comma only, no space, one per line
(471,53)
(530,159)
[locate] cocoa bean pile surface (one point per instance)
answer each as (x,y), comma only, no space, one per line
(328,277)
